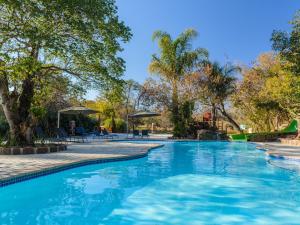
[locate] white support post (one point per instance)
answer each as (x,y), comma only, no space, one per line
(58,119)
(127,125)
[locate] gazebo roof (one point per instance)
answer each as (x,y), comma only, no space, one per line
(78,110)
(143,114)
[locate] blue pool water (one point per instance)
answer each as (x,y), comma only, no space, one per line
(180,183)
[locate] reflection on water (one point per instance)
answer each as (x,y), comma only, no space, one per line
(181,183)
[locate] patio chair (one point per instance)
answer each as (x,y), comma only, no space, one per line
(39,135)
(62,136)
(145,133)
(136,133)
(108,135)
(98,134)
(81,132)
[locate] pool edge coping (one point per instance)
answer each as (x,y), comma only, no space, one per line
(277,157)
(55,169)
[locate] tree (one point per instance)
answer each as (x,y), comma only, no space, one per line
(133,92)
(117,101)
(288,44)
(176,59)
(217,86)
(114,99)
(288,47)
(269,93)
(41,39)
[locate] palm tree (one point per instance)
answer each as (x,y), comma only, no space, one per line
(218,84)
(176,59)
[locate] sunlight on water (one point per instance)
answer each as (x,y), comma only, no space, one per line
(197,199)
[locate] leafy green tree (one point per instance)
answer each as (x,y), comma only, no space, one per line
(268,94)
(217,86)
(176,59)
(115,99)
(288,44)
(118,125)
(40,39)
(186,112)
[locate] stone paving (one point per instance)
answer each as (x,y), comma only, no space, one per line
(279,150)
(282,155)
(18,165)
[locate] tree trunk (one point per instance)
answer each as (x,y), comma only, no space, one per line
(113,124)
(175,110)
(19,131)
(214,116)
(16,108)
(16,105)
(229,118)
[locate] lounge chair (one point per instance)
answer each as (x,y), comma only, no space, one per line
(98,134)
(81,132)
(62,136)
(136,133)
(145,133)
(39,135)
(108,135)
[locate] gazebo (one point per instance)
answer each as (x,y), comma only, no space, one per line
(75,110)
(143,114)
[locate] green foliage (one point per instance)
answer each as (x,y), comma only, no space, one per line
(39,112)
(115,103)
(288,44)
(120,124)
(185,119)
(217,82)
(45,42)
(176,60)
(112,101)
(269,93)
(217,85)
(176,56)
(76,37)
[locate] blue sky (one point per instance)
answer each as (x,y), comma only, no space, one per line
(231,30)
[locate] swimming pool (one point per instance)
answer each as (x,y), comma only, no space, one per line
(180,183)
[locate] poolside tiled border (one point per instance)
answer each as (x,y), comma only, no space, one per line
(44,172)
(167,140)
(32,150)
(278,157)
(283,157)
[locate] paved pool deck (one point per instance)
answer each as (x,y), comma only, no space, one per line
(278,150)
(17,167)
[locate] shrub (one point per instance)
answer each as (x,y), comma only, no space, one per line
(120,124)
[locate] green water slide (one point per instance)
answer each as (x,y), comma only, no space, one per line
(291,128)
(238,137)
